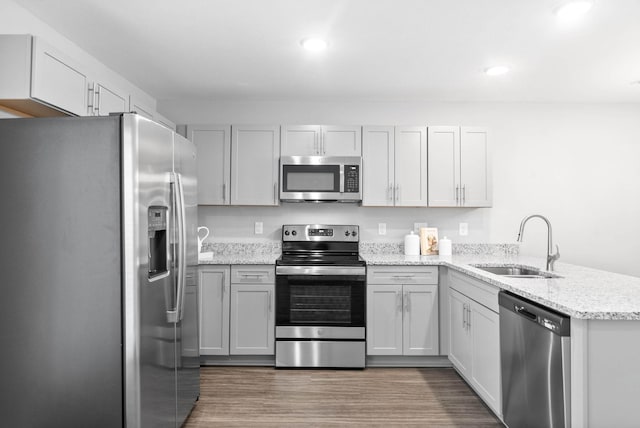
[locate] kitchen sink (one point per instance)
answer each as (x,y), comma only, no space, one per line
(515,271)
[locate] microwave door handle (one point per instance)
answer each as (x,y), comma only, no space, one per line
(341,178)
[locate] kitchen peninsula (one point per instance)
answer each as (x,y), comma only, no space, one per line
(604,308)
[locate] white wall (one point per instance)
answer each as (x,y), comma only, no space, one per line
(577,164)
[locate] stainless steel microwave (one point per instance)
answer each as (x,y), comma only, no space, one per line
(320,179)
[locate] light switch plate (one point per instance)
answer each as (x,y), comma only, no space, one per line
(463,230)
(258,228)
(382,228)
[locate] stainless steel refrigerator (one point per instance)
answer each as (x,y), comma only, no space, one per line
(98,293)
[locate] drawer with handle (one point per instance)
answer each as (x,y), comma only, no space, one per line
(252,274)
(402,275)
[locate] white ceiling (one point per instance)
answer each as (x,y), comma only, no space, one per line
(379,49)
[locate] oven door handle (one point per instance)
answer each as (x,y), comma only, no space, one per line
(321,270)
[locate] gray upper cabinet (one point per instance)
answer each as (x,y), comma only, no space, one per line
(138,106)
(214,161)
(38,80)
(255,154)
(394,166)
(459,171)
(378,166)
(410,166)
(105,99)
(58,80)
(321,140)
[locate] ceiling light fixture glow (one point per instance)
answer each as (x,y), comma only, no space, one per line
(498,70)
(314,44)
(574,9)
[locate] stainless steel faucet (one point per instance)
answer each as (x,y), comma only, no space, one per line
(551,258)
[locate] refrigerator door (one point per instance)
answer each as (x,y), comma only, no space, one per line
(149,287)
(188,348)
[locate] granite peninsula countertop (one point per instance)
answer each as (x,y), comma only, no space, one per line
(580,292)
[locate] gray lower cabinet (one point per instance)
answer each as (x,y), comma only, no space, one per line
(237,310)
(213,284)
(474,336)
(252,324)
(402,310)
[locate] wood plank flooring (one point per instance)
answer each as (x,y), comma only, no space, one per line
(266,397)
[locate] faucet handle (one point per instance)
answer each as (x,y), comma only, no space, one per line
(551,258)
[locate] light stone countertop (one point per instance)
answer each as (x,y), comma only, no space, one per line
(581,292)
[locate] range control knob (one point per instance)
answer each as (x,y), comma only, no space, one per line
(354,233)
(294,233)
(346,233)
(286,232)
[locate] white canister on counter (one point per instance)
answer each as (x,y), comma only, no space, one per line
(411,244)
(445,246)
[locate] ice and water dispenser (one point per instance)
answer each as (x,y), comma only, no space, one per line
(158,248)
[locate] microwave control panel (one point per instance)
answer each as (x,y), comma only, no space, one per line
(352,178)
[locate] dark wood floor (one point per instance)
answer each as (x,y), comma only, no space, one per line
(266,397)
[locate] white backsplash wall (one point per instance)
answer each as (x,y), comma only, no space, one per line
(237,223)
(574,163)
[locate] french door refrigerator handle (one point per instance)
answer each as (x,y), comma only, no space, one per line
(182,245)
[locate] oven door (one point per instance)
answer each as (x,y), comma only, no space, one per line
(308,297)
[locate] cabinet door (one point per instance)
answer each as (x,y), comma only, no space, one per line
(384,319)
(214,160)
(459,334)
(474,167)
(301,140)
(252,319)
(341,141)
(214,310)
(444,165)
(58,80)
(377,165)
(420,320)
(138,106)
(105,100)
(485,364)
(411,166)
(254,165)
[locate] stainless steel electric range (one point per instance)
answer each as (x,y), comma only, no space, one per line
(320,297)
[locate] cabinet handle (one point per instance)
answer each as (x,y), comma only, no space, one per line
(464,194)
(464,316)
(407,305)
(390,193)
(275,193)
(269,301)
(468,316)
(224,192)
(397,195)
(457,194)
(398,302)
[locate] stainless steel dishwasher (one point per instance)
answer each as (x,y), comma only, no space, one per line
(535,357)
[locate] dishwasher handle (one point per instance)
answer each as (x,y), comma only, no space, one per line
(523,311)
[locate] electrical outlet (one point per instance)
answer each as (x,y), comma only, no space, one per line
(257,229)
(382,228)
(417,226)
(463,230)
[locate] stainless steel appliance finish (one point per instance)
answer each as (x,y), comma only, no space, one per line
(320,298)
(535,358)
(306,353)
(100,324)
(320,179)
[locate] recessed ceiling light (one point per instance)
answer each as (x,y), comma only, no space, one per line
(497,70)
(574,9)
(314,44)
